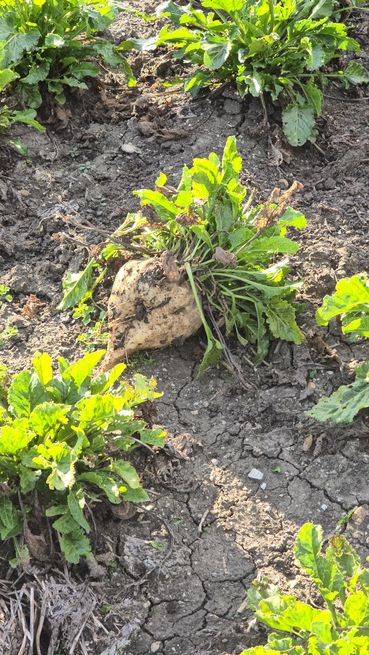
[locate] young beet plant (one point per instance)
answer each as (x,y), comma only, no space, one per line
(349,304)
(63,446)
(340,626)
(266,47)
(53,44)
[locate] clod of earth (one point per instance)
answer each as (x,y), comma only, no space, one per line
(150,306)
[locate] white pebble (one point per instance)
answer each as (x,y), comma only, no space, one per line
(255,474)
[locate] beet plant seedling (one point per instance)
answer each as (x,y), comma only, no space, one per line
(64,441)
(349,303)
(339,625)
(5,295)
(53,44)
(266,47)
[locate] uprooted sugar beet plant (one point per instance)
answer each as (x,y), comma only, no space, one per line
(221,262)
(183,355)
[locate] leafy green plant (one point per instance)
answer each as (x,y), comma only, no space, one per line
(340,626)
(6,334)
(346,402)
(9,117)
(96,335)
(349,304)
(228,248)
(266,47)
(5,296)
(64,440)
(53,44)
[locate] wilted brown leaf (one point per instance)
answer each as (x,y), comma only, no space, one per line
(37,545)
(33,307)
(224,257)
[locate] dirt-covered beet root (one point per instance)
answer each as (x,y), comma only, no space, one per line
(150,306)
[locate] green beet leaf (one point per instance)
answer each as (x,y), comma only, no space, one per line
(76,502)
(38,73)
(315,97)
(127,472)
(42,363)
(74,545)
(216,52)
(76,286)
(17,45)
(47,419)
(229,6)
(27,117)
(14,438)
(106,482)
(356,608)
(98,411)
(263,650)
(344,404)
(28,478)
(309,544)
(355,73)
(351,295)
(19,396)
(138,495)
(7,75)
(11,522)
(66,523)
(281,318)
(298,124)
(324,570)
(153,437)
(80,372)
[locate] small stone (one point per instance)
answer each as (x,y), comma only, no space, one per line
(130,148)
(360,515)
(214,462)
(255,474)
(263,486)
(155,646)
(308,442)
(324,507)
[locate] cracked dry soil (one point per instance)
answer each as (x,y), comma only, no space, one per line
(183,566)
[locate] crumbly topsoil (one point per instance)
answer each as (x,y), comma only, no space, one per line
(181,568)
